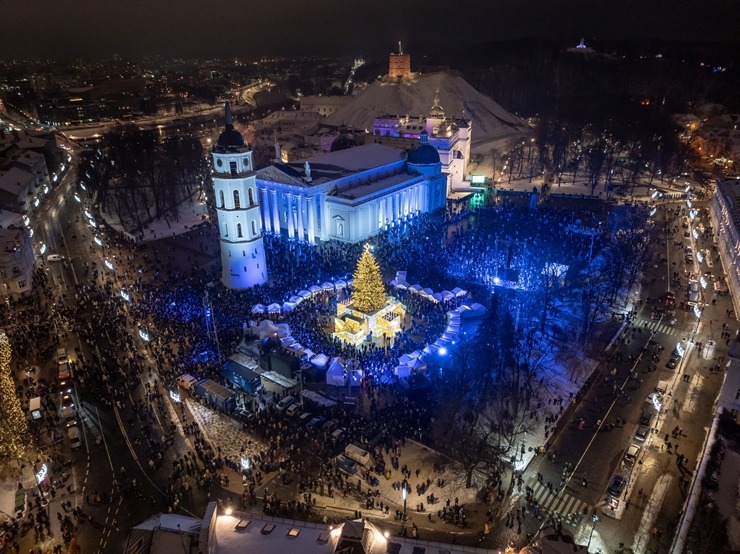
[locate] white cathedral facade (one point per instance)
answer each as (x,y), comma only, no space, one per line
(352,194)
(347,195)
(243,263)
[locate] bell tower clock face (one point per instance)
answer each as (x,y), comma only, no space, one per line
(219,162)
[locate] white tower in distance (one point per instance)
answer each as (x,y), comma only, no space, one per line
(243,262)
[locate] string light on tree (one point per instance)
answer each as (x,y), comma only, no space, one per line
(368,293)
(14,436)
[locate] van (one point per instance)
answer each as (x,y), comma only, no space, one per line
(284,403)
(338,434)
(357,454)
(187,382)
(54,258)
(661,387)
(293,409)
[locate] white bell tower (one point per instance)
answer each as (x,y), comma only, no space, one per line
(243,263)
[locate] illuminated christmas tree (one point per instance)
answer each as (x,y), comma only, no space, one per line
(369,293)
(14,436)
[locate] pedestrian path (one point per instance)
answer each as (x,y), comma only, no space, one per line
(564,505)
(659,327)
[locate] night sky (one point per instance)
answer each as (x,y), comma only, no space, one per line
(99,28)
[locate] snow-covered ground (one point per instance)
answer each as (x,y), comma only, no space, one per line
(190,216)
(414,96)
(728,496)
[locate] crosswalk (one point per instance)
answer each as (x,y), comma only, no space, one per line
(659,327)
(561,504)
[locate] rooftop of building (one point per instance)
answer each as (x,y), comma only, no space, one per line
(730,190)
(15,179)
(241,532)
(333,165)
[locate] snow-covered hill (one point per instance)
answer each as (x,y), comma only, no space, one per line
(415,96)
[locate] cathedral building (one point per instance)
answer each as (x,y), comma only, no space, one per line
(238,211)
(450,137)
(351,194)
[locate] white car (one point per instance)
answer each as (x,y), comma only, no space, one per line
(75,441)
(54,258)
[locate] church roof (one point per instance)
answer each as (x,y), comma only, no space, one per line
(230,138)
(333,165)
(423,153)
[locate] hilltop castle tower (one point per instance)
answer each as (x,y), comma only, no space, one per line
(399,65)
(243,263)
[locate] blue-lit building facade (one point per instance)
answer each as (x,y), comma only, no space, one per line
(351,194)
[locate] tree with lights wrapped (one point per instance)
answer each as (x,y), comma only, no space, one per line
(14,436)
(369,292)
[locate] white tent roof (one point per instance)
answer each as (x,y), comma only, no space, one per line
(296,299)
(447,336)
(402,371)
(314,289)
(340,284)
(415,288)
(304,294)
(427,291)
(417,364)
(447,295)
(350,282)
(437,297)
(319,360)
(274,308)
(258,309)
(288,306)
(431,349)
(327,286)
(402,286)
(457,291)
(404,359)
(308,353)
(287,341)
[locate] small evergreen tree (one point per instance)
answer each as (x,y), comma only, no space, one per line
(369,292)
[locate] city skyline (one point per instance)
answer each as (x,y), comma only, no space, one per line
(195,28)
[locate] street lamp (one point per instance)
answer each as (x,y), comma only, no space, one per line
(596,520)
(404,501)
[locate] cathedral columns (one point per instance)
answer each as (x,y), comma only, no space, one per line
(275,212)
(311,214)
(299,207)
(289,212)
(265,205)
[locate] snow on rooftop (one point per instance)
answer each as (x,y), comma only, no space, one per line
(415,97)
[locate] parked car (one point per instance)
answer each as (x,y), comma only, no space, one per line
(316,422)
(305,416)
(284,403)
(54,258)
(673,362)
(75,441)
(293,409)
(62,357)
(646,417)
(68,416)
(616,486)
(642,433)
(630,455)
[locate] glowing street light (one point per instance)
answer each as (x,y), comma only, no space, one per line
(125,296)
(98,241)
(109,265)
